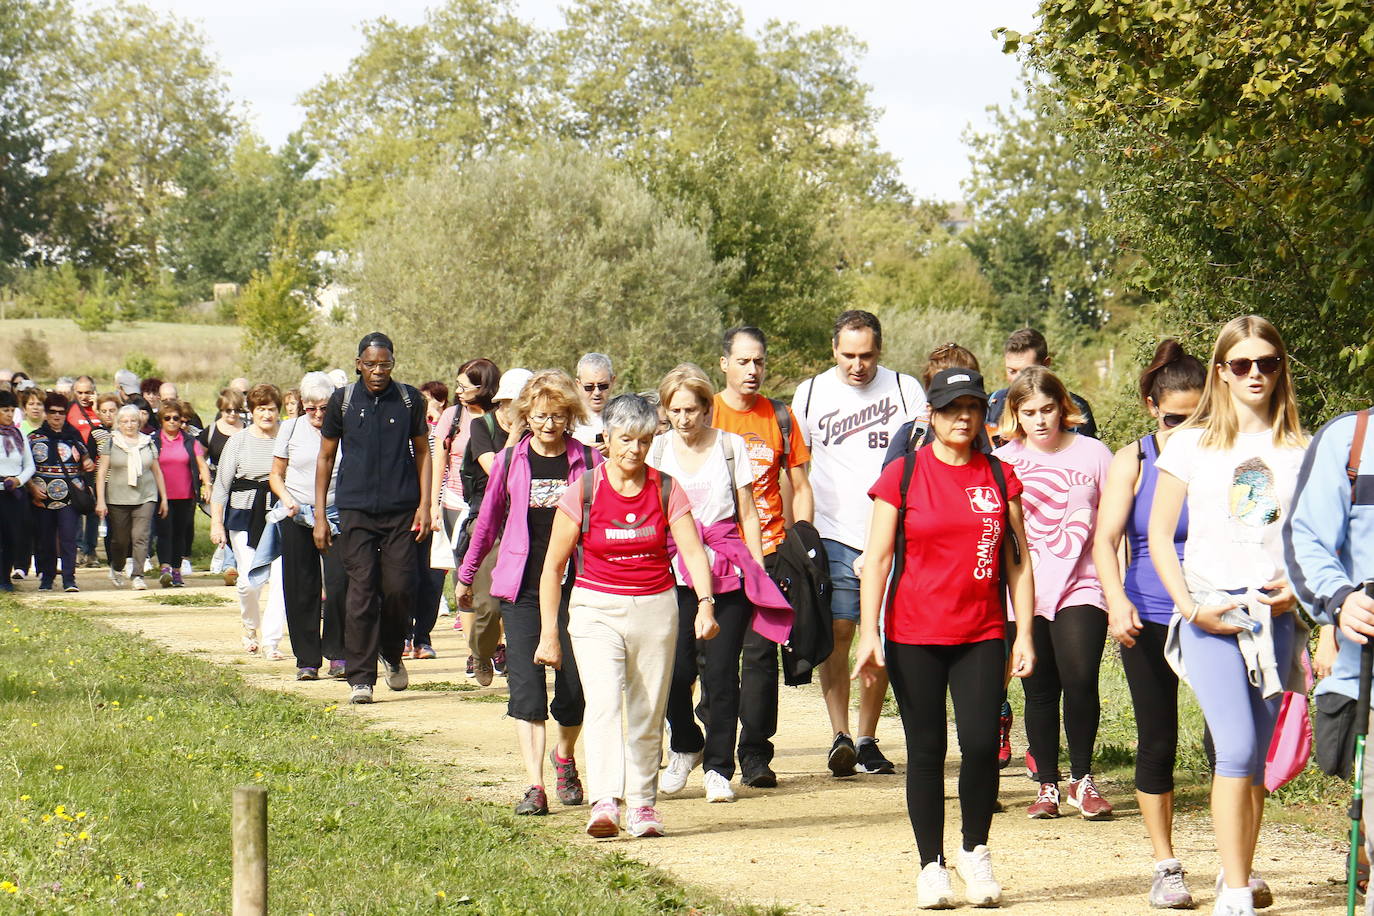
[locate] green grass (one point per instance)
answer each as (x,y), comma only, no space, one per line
(182,599)
(444,687)
(119,763)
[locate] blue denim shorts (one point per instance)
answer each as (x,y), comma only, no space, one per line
(844,585)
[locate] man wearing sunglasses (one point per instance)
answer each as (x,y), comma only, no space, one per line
(595,379)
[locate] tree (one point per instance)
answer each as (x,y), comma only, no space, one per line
(466,82)
(1038,199)
(534,260)
(128,97)
(22,216)
(275,309)
(1237,142)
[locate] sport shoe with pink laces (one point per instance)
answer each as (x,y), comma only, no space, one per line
(644,822)
(1084,796)
(605,820)
(1046,804)
(569,789)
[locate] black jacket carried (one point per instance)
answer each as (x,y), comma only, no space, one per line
(802,572)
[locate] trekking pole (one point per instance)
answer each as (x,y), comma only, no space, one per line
(1361,732)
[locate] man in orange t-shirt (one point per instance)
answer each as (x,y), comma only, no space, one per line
(781,499)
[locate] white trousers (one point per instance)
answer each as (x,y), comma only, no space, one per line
(271,624)
(624,647)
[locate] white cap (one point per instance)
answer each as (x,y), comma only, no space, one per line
(127,381)
(338,377)
(513,381)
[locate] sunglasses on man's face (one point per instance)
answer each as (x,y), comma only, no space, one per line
(1267,365)
(1170,420)
(596,386)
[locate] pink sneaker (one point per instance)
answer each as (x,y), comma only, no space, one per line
(644,822)
(605,820)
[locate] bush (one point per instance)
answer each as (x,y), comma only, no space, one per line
(31,350)
(910,335)
(141,366)
(535,260)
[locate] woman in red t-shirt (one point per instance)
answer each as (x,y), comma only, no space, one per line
(623,613)
(945,623)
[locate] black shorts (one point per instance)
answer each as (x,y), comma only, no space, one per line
(526,681)
(1334,734)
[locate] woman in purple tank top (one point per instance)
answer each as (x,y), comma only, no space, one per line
(1139,607)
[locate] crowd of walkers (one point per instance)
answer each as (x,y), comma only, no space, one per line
(669,554)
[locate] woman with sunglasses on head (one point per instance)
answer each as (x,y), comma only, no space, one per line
(527,481)
(474,389)
(187,476)
(1063,473)
(1235,639)
(1139,608)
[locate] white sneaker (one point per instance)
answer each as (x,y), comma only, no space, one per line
(186,568)
(138,584)
(360,693)
(975,870)
(396,676)
(680,766)
(933,890)
(116,578)
(148,565)
(718,788)
(128,567)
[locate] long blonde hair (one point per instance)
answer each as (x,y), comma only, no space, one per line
(1216,416)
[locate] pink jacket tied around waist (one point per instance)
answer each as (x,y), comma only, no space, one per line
(732,562)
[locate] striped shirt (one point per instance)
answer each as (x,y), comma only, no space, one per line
(245,456)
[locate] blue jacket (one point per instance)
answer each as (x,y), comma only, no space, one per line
(1328,539)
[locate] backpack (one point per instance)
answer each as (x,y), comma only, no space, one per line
(899,550)
(783,417)
(348,397)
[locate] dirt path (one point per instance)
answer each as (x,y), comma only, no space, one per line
(815,844)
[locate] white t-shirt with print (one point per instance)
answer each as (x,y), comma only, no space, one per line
(848,430)
(586,433)
(706,490)
(1238,499)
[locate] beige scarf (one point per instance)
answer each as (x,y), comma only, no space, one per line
(134,451)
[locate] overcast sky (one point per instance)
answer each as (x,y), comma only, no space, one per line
(933,64)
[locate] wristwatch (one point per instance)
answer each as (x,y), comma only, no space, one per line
(709,599)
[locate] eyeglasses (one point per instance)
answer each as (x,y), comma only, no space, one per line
(1267,365)
(386,366)
(542,419)
(171,419)
(1170,420)
(319,408)
(596,386)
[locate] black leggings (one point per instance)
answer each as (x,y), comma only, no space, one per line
(718,662)
(1068,655)
(176,531)
(1154,695)
(972,676)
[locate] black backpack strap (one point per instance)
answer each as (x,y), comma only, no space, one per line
(900,393)
(810,390)
(665,490)
(588,485)
(1000,476)
(783,417)
(899,548)
(586,457)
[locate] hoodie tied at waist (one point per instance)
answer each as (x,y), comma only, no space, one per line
(732,564)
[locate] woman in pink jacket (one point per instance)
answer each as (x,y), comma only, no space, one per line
(527,480)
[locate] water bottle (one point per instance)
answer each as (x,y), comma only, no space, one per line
(102,530)
(1238,618)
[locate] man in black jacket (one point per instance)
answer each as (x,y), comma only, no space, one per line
(382,494)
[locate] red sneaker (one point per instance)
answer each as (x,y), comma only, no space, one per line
(1031,772)
(1046,804)
(1084,796)
(1004,748)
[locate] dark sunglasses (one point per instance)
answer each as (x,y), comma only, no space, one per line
(1170,420)
(596,386)
(55,410)
(172,419)
(1267,365)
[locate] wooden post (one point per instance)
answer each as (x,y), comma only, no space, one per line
(250,851)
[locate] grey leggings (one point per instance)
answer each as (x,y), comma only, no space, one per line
(1240,719)
(129,526)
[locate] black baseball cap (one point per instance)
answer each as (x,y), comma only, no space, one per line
(950,384)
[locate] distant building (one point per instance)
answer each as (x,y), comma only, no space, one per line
(957,218)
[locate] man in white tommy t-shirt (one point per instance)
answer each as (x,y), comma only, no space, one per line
(848,416)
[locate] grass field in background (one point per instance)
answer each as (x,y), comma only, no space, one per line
(198,357)
(120,760)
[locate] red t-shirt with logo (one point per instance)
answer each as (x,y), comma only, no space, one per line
(625,550)
(950,593)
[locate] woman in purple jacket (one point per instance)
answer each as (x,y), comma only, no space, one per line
(526,482)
